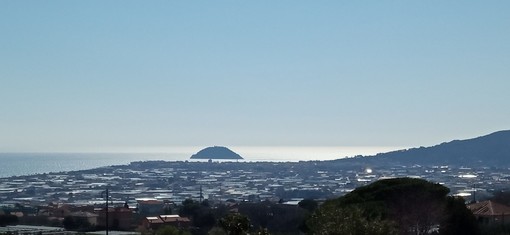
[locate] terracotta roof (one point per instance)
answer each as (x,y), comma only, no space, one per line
(489,208)
(154,220)
(153,202)
(173,218)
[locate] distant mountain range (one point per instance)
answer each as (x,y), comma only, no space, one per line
(490,150)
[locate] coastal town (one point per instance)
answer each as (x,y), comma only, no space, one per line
(143,191)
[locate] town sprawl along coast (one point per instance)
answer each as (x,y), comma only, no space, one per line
(143,189)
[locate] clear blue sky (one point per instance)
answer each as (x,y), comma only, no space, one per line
(80,75)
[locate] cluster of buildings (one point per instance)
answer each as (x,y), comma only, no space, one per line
(146,193)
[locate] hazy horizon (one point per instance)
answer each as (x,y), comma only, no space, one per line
(255,153)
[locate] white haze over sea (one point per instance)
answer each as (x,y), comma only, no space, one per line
(34,163)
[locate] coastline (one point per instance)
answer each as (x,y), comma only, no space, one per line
(19,164)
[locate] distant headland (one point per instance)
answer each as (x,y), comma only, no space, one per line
(216,152)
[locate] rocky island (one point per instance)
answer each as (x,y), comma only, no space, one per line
(216,152)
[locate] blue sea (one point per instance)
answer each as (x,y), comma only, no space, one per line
(14,164)
(34,163)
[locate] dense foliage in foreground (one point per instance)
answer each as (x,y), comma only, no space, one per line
(395,206)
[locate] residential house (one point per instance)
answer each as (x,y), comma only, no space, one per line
(490,212)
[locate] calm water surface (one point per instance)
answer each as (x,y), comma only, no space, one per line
(34,163)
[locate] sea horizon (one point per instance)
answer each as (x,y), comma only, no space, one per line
(29,163)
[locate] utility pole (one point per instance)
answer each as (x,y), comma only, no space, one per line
(106,212)
(474,193)
(201,195)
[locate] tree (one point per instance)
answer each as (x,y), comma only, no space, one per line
(217,231)
(262,231)
(460,220)
(8,219)
(69,223)
(200,213)
(347,220)
(189,208)
(171,230)
(276,218)
(235,224)
(205,220)
(76,223)
(308,204)
(414,206)
(205,203)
